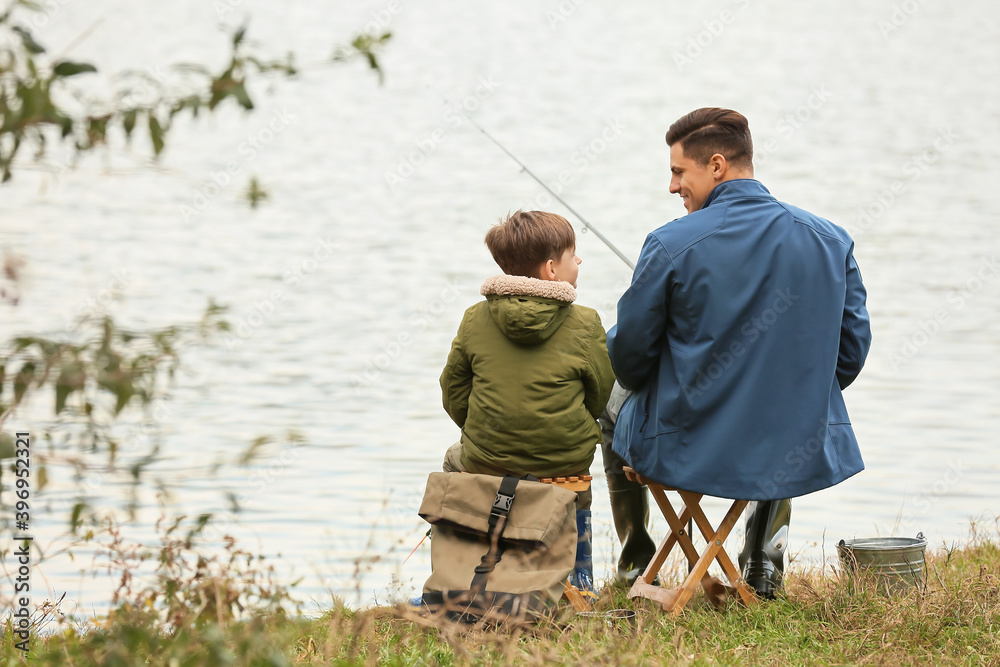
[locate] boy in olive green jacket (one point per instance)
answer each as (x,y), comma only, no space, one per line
(528,373)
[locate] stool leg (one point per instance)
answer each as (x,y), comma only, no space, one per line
(712,535)
(644,585)
(673,537)
(713,587)
(674,600)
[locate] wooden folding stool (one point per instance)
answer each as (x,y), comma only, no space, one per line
(673,600)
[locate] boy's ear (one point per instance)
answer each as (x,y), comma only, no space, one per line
(548,270)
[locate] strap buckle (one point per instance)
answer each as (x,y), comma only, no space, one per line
(501,504)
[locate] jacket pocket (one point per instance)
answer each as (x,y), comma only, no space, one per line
(646,403)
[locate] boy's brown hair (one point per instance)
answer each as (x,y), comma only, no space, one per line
(525,240)
(705,132)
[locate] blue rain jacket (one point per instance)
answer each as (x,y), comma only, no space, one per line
(743,323)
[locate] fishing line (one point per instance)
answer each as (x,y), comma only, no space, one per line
(524,167)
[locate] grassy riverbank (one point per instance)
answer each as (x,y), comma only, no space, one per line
(820,619)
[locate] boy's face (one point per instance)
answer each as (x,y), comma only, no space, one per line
(567,267)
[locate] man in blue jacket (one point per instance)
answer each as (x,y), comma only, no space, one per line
(744,321)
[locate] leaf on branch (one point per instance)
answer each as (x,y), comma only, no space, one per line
(240,92)
(365,46)
(71,378)
(23,379)
(7,446)
(65,123)
(97,130)
(239,35)
(33,47)
(255,192)
(221,88)
(22,342)
(125,393)
(128,122)
(75,521)
(192,102)
(155,134)
(66,68)
(62,393)
(251,452)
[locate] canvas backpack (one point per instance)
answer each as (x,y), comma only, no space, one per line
(501,547)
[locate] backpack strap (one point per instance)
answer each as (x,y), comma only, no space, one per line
(497,521)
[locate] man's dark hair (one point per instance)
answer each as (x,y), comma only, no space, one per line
(705,132)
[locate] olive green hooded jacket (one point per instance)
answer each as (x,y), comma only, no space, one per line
(527,377)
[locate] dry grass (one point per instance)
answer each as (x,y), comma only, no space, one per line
(202,616)
(819,620)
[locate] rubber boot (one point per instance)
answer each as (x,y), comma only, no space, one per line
(583,572)
(762,560)
(630,511)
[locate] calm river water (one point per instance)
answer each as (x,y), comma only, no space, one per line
(877,115)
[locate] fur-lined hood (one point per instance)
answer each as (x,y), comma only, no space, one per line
(523,286)
(528,310)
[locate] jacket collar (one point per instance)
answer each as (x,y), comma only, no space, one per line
(523,286)
(739,188)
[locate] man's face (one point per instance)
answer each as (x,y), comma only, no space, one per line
(692,181)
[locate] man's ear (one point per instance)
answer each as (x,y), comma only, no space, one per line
(718,166)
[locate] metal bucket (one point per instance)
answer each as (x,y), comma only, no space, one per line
(895,562)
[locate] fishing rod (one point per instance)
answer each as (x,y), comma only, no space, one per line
(586,225)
